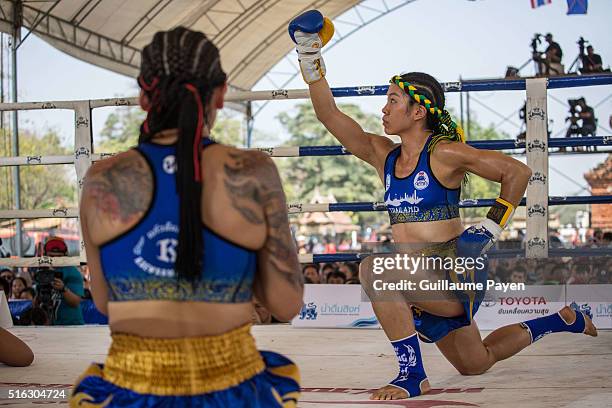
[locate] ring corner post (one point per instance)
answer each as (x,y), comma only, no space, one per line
(83,150)
(537,159)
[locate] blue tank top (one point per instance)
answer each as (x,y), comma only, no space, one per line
(419,197)
(139,264)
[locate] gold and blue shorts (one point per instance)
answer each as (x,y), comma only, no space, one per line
(432,328)
(225,370)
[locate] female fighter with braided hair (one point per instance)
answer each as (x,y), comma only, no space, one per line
(180,232)
(422,177)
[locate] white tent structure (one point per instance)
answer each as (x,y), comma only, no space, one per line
(251,34)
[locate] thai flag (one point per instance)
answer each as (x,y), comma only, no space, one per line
(538,3)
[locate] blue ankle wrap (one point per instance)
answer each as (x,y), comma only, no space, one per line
(411,371)
(554,323)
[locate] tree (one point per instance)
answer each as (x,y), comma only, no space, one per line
(122,128)
(346,177)
(477,187)
(41,186)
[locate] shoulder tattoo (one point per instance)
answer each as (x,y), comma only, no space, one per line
(112,189)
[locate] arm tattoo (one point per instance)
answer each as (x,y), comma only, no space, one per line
(253,183)
(112,189)
(246,181)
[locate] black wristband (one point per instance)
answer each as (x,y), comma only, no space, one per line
(501,212)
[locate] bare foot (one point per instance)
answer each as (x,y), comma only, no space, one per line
(391,392)
(569,315)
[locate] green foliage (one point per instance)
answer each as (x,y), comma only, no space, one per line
(477,187)
(41,186)
(346,177)
(122,128)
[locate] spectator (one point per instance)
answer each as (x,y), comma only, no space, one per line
(69,286)
(591,63)
(345,245)
(580,275)
(336,277)
(18,286)
(501,273)
(311,271)
(556,275)
(350,270)
(538,275)
(8,275)
(5,286)
(597,236)
(330,246)
(28,294)
(606,239)
(518,275)
(326,270)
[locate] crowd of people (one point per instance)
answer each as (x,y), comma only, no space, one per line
(553,271)
(55,294)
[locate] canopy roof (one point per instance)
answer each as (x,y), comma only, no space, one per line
(251,34)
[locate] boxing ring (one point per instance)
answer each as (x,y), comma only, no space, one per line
(340,366)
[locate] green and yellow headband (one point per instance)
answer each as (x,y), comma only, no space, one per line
(447,128)
(421,99)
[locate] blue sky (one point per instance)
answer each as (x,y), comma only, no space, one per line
(446,38)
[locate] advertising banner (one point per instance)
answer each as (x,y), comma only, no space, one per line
(595,300)
(344,306)
(335,306)
(502,308)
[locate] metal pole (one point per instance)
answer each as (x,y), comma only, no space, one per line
(467,130)
(461,109)
(15,134)
(249,124)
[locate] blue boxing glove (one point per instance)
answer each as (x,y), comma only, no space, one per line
(478,239)
(310,31)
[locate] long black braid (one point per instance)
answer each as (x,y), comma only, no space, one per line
(179,71)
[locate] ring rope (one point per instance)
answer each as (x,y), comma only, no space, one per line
(299,208)
(45,261)
(245,96)
(311,151)
(493,254)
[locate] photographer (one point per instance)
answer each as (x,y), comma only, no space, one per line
(591,62)
(67,285)
(580,111)
(548,63)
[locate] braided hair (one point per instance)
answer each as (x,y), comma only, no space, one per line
(179,71)
(426,91)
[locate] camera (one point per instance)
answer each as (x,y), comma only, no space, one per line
(47,297)
(574,108)
(581,42)
(535,41)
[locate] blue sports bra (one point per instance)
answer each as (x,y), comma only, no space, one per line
(419,197)
(139,264)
